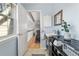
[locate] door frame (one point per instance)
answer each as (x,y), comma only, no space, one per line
(40,22)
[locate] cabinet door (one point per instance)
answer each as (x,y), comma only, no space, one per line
(46,21)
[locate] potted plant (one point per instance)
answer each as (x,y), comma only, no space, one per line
(66,26)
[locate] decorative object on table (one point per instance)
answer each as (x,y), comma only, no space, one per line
(58,34)
(58,18)
(65,25)
(57,43)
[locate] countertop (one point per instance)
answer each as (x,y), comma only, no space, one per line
(73,43)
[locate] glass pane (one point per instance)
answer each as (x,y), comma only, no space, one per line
(6,26)
(3,29)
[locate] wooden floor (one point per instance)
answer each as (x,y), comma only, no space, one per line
(35,48)
(32,44)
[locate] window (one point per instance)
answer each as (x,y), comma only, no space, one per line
(3,6)
(6,23)
(5,28)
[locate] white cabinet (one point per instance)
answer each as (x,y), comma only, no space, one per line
(46,21)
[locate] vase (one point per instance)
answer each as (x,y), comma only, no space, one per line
(67,36)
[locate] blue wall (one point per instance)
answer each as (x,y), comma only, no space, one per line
(46,9)
(70,14)
(9,46)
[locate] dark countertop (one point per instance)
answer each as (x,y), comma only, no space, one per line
(73,43)
(56,47)
(60,50)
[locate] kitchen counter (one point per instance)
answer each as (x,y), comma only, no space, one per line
(55,50)
(73,43)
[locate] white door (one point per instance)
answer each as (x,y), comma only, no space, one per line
(22,24)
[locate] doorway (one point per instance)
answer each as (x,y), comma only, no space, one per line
(34,41)
(29,26)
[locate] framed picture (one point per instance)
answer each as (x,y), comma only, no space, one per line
(58,18)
